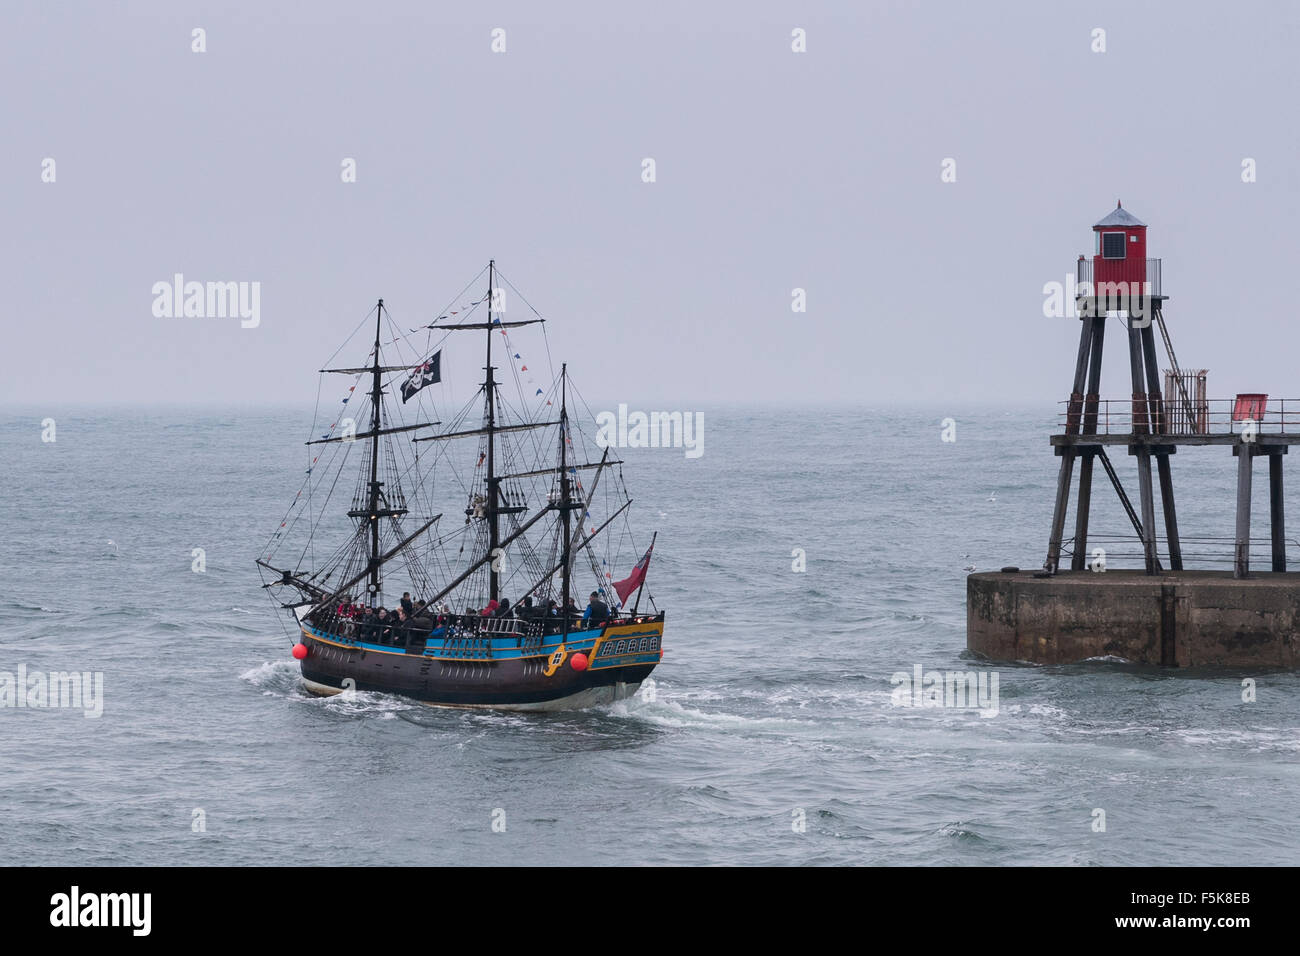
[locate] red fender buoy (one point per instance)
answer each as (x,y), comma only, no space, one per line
(299,651)
(578,662)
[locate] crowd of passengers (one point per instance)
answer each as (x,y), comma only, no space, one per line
(420,621)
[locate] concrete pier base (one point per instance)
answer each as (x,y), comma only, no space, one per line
(1175,618)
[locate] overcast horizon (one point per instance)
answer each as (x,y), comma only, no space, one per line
(774,170)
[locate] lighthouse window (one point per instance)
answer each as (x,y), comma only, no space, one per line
(1112,245)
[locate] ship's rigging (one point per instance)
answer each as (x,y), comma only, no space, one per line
(545,512)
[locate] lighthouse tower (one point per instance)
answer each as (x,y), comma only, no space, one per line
(1118,281)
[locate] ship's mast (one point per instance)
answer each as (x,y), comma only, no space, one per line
(566,557)
(494,528)
(494,508)
(373,517)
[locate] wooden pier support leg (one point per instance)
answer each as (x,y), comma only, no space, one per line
(1081,513)
(1058,515)
(1074,411)
(1241,552)
(1148,510)
(1171,517)
(1073,421)
(1277,519)
(1155,401)
(1141,418)
(1092,399)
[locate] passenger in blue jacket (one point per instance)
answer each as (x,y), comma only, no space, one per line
(597,611)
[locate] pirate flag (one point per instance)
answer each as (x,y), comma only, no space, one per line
(426,374)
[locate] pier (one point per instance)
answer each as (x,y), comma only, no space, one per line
(1162,613)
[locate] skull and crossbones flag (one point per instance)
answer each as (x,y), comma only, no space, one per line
(426,374)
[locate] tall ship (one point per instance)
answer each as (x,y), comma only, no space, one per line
(532,598)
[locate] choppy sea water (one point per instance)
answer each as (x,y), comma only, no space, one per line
(773,707)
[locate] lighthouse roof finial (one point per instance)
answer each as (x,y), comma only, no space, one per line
(1119,216)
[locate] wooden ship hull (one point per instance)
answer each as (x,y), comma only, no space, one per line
(502,668)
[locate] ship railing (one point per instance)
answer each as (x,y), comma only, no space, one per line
(471,635)
(1245,415)
(501,626)
(355,631)
(457,635)
(465,642)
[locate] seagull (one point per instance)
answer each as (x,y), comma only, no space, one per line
(969,567)
(993,496)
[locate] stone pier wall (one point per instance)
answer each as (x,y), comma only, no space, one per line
(1183,619)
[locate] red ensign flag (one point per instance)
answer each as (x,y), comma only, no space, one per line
(633,580)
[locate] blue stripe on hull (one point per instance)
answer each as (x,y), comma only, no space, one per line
(503,648)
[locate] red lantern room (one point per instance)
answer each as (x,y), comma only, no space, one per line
(1120,252)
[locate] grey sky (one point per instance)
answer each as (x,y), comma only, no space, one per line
(775,170)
